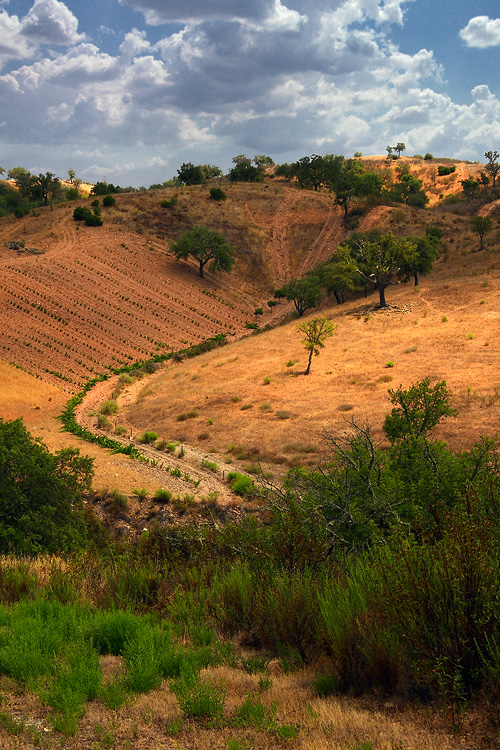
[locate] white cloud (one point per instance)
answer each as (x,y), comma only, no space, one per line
(13,46)
(482,32)
(51,22)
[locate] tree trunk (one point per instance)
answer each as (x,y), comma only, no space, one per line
(201,269)
(308,368)
(381,293)
(415,276)
(336,295)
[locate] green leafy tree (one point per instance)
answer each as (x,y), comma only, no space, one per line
(315,332)
(427,251)
(470,188)
(417,410)
(260,160)
(399,147)
(191,174)
(408,189)
(104,188)
(205,246)
(339,274)
(285,170)
(209,171)
(305,293)
(22,179)
(492,168)
(390,151)
(71,175)
(241,159)
(481,225)
(43,185)
(310,171)
(40,494)
(379,261)
(244,171)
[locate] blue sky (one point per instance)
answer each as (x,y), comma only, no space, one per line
(128,90)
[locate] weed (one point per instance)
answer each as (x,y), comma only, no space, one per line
(11,724)
(410,350)
(385,379)
(470,336)
(114,693)
(235,399)
(345,407)
(109,407)
(162,496)
(186,415)
(148,437)
(266,408)
(390,363)
(120,429)
(291,362)
(265,683)
(253,713)
(199,698)
(209,465)
(444,319)
(284,414)
(240,484)
(245,407)
(141,493)
(267,380)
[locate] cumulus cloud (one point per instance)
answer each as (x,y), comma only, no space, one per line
(284,77)
(482,32)
(51,22)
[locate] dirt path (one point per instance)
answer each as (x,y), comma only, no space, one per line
(194,479)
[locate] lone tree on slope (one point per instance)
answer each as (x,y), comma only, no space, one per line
(316,331)
(206,246)
(481,225)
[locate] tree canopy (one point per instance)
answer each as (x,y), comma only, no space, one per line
(379,259)
(305,293)
(205,246)
(40,494)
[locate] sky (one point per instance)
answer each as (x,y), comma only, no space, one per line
(128,90)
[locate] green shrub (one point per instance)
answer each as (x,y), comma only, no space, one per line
(108,201)
(199,698)
(148,437)
(170,203)
(81,213)
(93,220)
(109,407)
(186,415)
(209,465)
(240,484)
(325,684)
(162,496)
(216,194)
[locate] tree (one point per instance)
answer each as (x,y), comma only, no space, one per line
(241,159)
(71,175)
(104,188)
(206,246)
(481,225)
(190,174)
(417,410)
(408,189)
(244,171)
(493,166)
(2,170)
(338,274)
(285,170)
(310,171)
(22,179)
(390,150)
(316,331)
(44,184)
(379,261)
(209,171)
(305,293)
(260,160)
(470,188)
(399,147)
(40,494)
(427,251)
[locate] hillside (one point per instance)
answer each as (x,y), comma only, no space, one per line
(112,295)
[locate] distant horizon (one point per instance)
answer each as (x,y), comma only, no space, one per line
(128,90)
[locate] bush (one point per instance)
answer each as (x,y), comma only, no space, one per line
(216,194)
(171,203)
(108,201)
(40,494)
(443,171)
(148,437)
(93,220)
(81,213)
(109,407)
(240,484)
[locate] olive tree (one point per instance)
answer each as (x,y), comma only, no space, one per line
(481,225)
(205,246)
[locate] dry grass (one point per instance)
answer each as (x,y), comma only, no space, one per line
(156,721)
